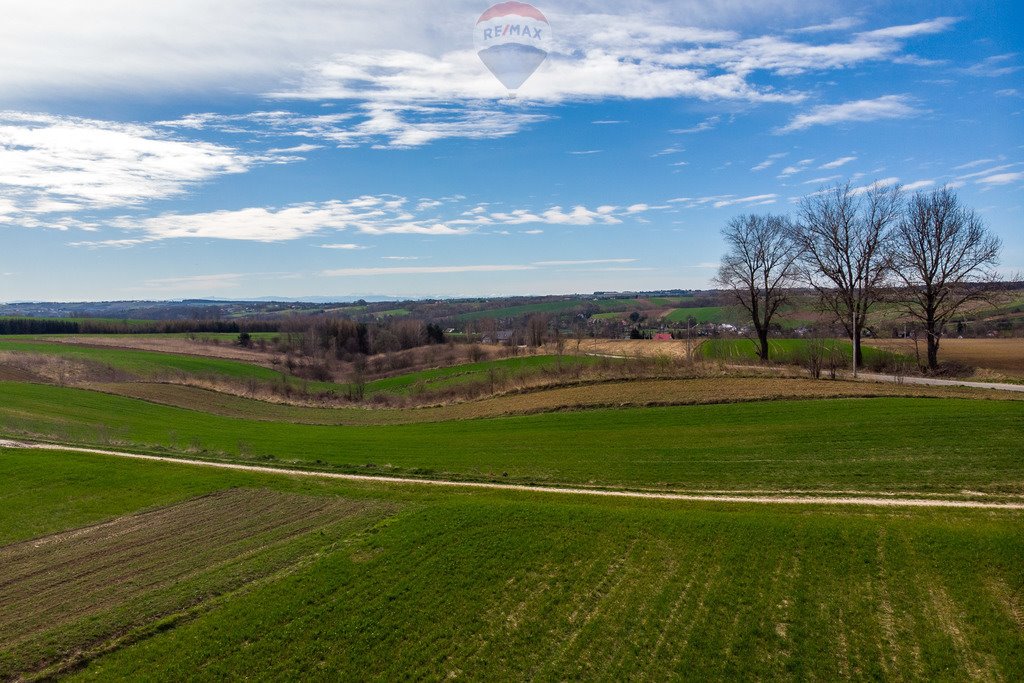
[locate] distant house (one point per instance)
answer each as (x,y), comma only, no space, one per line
(499,337)
(662,336)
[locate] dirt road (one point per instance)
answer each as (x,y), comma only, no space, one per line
(762,498)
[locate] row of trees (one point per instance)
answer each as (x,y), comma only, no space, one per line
(343,339)
(928,253)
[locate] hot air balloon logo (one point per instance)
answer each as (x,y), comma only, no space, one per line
(512,40)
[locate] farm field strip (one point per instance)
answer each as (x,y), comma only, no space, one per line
(498,585)
(778,498)
(872,445)
(1000,355)
(75,590)
(633,393)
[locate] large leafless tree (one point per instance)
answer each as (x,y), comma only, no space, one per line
(759,270)
(844,237)
(945,258)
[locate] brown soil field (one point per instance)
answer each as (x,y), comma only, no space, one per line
(179,345)
(633,393)
(633,348)
(1004,356)
(64,595)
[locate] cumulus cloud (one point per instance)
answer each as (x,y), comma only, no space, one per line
(857,111)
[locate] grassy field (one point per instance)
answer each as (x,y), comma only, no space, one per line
(499,585)
(441,378)
(708,314)
(870,444)
(524,309)
(790,351)
(637,392)
(145,363)
(118,569)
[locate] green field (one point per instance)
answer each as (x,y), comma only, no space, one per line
(870,444)
(524,309)
(708,314)
(495,585)
(453,375)
(791,351)
(120,569)
(147,364)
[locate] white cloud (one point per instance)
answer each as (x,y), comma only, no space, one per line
(988,171)
(707,124)
(937,25)
(918,185)
(585,262)
(840,24)
(423,270)
(995,66)
(884,182)
(371,215)
(196,283)
(795,168)
(1001,178)
(367,215)
(62,163)
(857,111)
(974,164)
(823,180)
(841,161)
(296,149)
(754,200)
(767,163)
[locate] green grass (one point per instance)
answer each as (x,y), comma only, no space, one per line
(524,309)
(791,351)
(708,314)
(146,363)
(941,445)
(514,586)
(441,378)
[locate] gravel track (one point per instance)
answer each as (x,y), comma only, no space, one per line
(780,498)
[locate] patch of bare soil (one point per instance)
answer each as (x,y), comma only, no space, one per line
(137,568)
(634,348)
(1005,356)
(177,345)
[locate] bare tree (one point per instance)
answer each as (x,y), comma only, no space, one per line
(759,270)
(945,258)
(537,328)
(844,237)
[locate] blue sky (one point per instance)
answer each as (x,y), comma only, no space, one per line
(361,147)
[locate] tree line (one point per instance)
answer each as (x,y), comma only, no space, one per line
(105,326)
(925,252)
